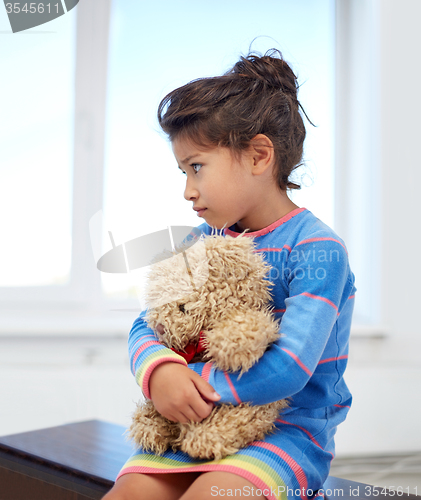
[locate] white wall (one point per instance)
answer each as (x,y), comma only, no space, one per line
(385,374)
(48,381)
(400,182)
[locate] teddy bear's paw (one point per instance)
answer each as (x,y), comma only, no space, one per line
(205,443)
(226,430)
(230,428)
(150,430)
(210,451)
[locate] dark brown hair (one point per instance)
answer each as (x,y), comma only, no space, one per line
(257,96)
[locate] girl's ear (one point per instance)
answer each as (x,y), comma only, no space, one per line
(262,152)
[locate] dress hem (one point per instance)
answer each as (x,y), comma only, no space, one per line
(255,480)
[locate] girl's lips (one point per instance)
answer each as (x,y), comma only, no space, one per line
(200,212)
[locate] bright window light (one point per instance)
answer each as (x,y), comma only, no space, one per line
(158,46)
(36,152)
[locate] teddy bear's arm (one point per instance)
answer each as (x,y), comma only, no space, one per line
(239,340)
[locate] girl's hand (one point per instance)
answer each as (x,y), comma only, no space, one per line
(180,394)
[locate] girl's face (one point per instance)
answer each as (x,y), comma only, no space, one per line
(218,182)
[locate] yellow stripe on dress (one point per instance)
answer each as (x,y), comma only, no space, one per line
(245,462)
(152,358)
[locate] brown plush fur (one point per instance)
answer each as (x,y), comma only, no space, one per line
(217,286)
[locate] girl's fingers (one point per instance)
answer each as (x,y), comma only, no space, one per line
(203,409)
(180,394)
(206,390)
(200,414)
(190,415)
(184,417)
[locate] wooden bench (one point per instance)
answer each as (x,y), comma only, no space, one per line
(81,461)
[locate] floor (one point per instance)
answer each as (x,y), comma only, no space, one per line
(398,472)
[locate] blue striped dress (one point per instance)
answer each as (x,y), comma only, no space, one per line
(313,296)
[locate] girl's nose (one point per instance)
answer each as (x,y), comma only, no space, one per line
(190,193)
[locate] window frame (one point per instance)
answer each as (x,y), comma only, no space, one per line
(358,155)
(81,304)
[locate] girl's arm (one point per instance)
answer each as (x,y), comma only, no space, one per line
(178,393)
(146,353)
(318,291)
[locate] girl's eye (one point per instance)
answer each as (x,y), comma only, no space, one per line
(194,165)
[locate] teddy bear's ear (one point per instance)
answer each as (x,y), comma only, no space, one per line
(178,277)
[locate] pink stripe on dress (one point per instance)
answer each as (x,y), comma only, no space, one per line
(255,480)
(298,361)
(312,240)
(152,366)
(141,349)
(297,470)
(328,360)
(139,341)
(267,249)
(302,428)
(206,371)
(318,297)
(269,228)
(234,392)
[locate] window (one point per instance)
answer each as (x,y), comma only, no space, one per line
(81,135)
(36,153)
(156,47)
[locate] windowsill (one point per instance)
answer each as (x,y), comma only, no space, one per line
(64,323)
(377,332)
(110,322)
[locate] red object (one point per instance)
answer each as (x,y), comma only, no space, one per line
(192,349)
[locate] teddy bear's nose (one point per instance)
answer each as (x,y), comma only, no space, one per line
(182,308)
(160,329)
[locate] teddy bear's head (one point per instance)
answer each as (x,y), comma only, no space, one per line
(193,288)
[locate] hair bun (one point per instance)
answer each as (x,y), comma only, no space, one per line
(274,71)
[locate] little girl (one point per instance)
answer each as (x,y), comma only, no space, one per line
(237,138)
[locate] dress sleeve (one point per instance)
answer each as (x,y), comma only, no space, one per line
(317,281)
(145,350)
(146,353)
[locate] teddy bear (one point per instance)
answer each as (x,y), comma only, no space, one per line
(212,300)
